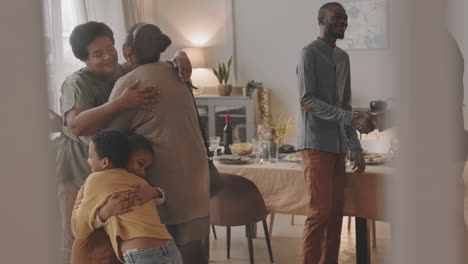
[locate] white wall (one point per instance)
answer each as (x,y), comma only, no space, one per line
(270,34)
(458,23)
(201,23)
(428,179)
(267,38)
(111,13)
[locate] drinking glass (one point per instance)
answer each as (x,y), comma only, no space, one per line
(258,149)
(214,145)
(349,159)
(273,151)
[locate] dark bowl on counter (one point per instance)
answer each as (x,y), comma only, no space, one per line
(378,106)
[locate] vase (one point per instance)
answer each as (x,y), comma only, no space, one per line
(249,91)
(262,105)
(244,91)
(224,89)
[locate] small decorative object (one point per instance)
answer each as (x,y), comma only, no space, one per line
(214,145)
(251,86)
(224,89)
(222,74)
(394,150)
(378,106)
(286,148)
(282,126)
(262,106)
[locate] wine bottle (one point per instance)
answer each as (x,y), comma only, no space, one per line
(227,132)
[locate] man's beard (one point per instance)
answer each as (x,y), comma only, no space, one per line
(336,35)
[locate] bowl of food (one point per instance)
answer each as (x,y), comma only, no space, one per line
(242,149)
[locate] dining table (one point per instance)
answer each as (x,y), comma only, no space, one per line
(284,191)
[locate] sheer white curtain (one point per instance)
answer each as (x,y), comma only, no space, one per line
(60,17)
(138,11)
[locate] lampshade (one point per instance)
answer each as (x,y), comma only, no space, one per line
(196,56)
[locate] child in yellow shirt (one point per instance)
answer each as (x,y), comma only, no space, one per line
(137,235)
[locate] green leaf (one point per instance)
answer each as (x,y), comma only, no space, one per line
(224,72)
(227,77)
(216,73)
(229,63)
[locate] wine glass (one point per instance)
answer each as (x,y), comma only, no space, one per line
(214,145)
(260,132)
(258,149)
(349,159)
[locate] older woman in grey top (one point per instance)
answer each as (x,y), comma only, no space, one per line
(180,164)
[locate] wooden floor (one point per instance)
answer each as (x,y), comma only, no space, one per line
(286,243)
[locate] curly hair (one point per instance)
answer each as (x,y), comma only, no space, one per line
(83,35)
(147,41)
(139,143)
(113,145)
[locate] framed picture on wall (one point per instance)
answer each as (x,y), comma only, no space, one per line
(367,24)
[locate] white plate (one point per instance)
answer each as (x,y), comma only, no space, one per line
(374,158)
(374,162)
(232,159)
(293,157)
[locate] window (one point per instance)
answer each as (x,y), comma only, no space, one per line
(60,17)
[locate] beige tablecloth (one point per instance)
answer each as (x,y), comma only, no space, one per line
(283,188)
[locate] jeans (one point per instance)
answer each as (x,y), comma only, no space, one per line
(166,254)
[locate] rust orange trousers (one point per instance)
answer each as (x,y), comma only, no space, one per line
(324,174)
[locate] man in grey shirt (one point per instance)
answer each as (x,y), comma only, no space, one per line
(327,129)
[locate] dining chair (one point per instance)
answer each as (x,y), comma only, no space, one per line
(272,221)
(240,203)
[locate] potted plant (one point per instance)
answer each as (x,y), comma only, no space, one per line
(251,86)
(222,74)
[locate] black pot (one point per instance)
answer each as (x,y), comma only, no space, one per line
(378,106)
